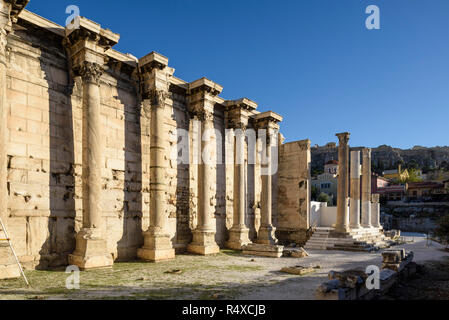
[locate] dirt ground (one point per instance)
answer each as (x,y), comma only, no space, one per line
(228,275)
(430,283)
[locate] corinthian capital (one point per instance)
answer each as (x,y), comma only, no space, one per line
(343,138)
(90,72)
(157,98)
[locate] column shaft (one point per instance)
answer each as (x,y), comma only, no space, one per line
(157,170)
(3,138)
(205,214)
(267,231)
(95,157)
(366,188)
(375,211)
(343,184)
(355,190)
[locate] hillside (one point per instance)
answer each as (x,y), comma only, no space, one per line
(386,157)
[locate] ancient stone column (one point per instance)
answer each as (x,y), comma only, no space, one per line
(237,115)
(201,103)
(157,244)
(4,28)
(354,209)
(342,224)
(87,46)
(267,121)
(375,211)
(366,188)
(9,11)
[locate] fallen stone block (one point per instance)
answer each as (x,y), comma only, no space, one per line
(295,253)
(298,270)
(264,250)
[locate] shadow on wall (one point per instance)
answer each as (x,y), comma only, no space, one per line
(183,232)
(132,212)
(222,234)
(60,234)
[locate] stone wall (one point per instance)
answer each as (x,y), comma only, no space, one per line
(294,191)
(48,148)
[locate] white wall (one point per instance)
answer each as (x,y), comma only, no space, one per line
(323,215)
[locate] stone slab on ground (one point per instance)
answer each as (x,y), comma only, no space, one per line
(264,250)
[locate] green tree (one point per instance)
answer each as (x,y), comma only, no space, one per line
(323,197)
(314,193)
(442,231)
(413,176)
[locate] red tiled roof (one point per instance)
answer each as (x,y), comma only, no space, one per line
(417,185)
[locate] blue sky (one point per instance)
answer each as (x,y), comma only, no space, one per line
(312,61)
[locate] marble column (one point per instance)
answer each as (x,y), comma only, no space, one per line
(366,188)
(204,235)
(239,233)
(4,27)
(154,73)
(267,231)
(342,224)
(157,244)
(354,209)
(87,46)
(237,118)
(375,211)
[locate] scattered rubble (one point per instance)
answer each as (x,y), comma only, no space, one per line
(353,284)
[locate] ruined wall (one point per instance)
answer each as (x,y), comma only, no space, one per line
(294,191)
(47,151)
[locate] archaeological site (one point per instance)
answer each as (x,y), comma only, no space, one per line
(109,162)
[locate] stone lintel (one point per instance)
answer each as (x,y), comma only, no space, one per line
(243,103)
(90,30)
(205,85)
(269,116)
(153,60)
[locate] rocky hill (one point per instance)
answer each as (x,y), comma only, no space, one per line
(386,157)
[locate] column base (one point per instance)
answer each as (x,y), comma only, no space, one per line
(157,247)
(91,252)
(203,243)
(267,235)
(342,229)
(8,266)
(238,237)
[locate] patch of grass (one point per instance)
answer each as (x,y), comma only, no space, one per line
(242,268)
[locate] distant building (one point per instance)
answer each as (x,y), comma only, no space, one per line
(396,174)
(395,192)
(378,182)
(418,190)
(400,175)
(327,182)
